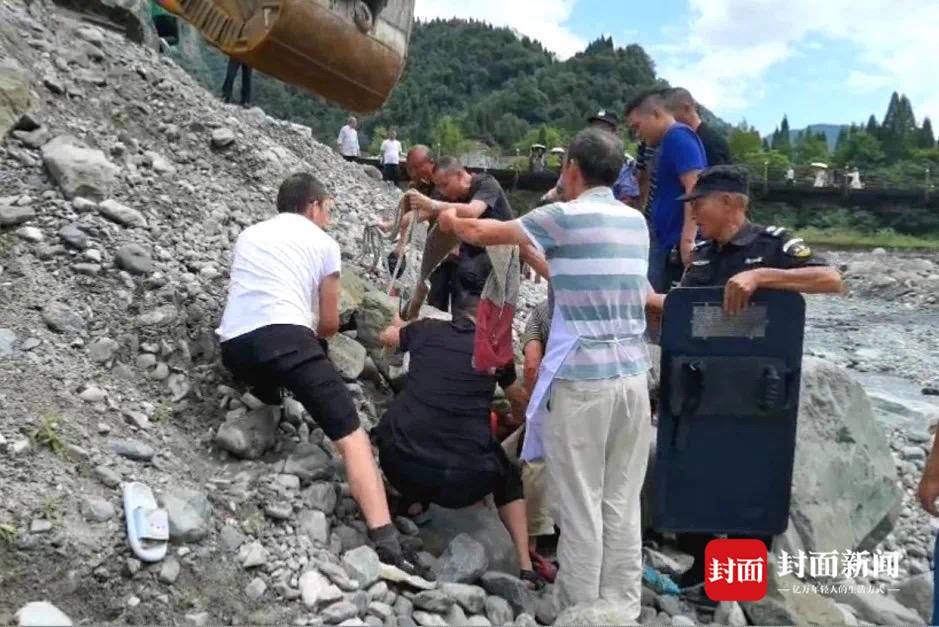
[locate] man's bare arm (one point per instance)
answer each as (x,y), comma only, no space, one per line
(811,280)
(329,293)
(517,396)
(533,354)
(482,232)
(535,260)
(689,229)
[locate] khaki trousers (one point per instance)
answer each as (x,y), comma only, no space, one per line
(534,479)
(596,438)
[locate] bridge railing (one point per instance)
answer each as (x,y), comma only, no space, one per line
(840,178)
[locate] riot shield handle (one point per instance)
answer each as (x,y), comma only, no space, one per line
(776,389)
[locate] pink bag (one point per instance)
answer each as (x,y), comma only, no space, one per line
(492,346)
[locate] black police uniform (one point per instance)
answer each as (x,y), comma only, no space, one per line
(713,265)
(752,247)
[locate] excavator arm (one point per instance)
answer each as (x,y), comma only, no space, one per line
(351,52)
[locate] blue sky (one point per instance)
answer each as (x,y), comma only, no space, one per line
(835,61)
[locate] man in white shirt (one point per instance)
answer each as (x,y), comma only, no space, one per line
(391,158)
(283,301)
(348,140)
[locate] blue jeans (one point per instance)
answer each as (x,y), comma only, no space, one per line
(657,259)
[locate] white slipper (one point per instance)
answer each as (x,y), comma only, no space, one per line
(148,528)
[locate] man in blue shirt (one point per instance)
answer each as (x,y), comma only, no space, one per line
(680,158)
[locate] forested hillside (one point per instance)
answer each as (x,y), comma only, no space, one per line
(466,80)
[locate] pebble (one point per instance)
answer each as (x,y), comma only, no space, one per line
(279,510)
(96,509)
(169,571)
(93,394)
(132,449)
(30,234)
(256,589)
(42,614)
(253,555)
(40,525)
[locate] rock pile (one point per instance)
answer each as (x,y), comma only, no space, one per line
(908,279)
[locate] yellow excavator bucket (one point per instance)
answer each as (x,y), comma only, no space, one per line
(351,52)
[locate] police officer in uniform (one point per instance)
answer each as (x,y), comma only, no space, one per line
(742,257)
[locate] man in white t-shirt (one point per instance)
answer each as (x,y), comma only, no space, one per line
(283,301)
(391,158)
(348,140)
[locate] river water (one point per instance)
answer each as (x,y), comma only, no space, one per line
(893,350)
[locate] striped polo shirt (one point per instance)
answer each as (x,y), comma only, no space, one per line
(597,251)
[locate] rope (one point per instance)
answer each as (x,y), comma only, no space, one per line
(373,245)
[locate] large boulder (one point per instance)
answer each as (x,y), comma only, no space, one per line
(482,524)
(916,593)
(248,436)
(879,609)
(464,561)
(16,98)
(350,298)
(78,169)
(789,602)
(373,316)
(347,355)
(844,486)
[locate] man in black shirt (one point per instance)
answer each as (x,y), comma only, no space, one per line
(473,196)
(682,105)
(435,441)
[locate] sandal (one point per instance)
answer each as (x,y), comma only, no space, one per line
(544,567)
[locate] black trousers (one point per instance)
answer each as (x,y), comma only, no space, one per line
(229,83)
(453,488)
(288,356)
(443,284)
(391,172)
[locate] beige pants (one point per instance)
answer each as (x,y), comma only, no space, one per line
(534,477)
(596,440)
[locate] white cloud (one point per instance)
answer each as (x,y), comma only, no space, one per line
(725,51)
(541,19)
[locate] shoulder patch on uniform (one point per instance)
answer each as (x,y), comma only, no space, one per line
(796,247)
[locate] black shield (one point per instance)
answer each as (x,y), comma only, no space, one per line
(727,416)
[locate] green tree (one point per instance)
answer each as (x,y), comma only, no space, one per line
(744,140)
(811,148)
(873,128)
(448,137)
(926,138)
(782,140)
(379,134)
(898,132)
(774,162)
(861,150)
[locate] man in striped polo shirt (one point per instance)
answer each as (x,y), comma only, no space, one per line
(589,413)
